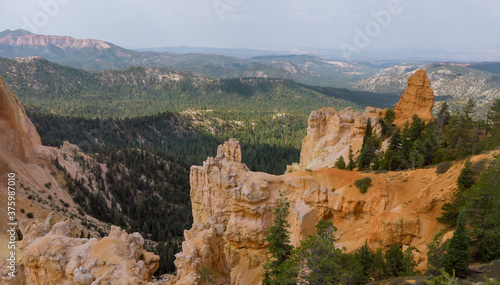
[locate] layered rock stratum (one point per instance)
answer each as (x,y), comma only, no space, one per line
(232,209)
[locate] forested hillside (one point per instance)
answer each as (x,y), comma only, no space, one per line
(138,91)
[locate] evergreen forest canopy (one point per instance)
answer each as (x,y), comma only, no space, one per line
(139,91)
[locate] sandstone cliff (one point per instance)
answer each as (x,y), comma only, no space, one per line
(232,209)
(19,136)
(330,133)
(418,99)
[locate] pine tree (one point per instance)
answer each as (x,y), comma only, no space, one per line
(378,270)
(351,164)
(457,257)
(466,178)
(483,200)
(365,157)
(451,209)
(435,254)
(368,132)
(365,258)
(340,163)
(279,242)
(494,120)
(443,118)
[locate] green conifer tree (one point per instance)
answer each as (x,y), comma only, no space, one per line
(350,164)
(340,163)
(466,178)
(457,256)
(279,242)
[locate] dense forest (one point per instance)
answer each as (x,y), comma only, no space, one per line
(139,91)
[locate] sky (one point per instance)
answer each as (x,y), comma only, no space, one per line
(465,25)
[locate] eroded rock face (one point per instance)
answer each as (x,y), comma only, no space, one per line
(19,136)
(232,209)
(418,99)
(331,132)
(203,246)
(53,256)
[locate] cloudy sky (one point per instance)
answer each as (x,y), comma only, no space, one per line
(331,24)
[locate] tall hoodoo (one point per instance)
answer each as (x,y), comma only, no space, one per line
(418,99)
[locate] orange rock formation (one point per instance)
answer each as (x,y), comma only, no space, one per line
(418,99)
(330,133)
(232,209)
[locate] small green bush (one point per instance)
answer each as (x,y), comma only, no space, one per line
(363,184)
(48,185)
(340,163)
(443,167)
(481,166)
(30,215)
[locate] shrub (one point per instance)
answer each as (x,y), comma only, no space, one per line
(443,167)
(48,185)
(363,184)
(340,163)
(30,215)
(481,166)
(22,211)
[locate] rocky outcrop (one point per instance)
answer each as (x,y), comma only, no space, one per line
(204,246)
(53,256)
(331,132)
(418,99)
(19,136)
(232,209)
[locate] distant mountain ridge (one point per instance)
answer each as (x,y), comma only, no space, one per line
(461,81)
(93,55)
